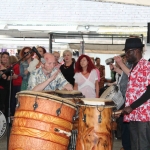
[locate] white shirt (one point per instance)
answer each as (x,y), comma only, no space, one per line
(87,85)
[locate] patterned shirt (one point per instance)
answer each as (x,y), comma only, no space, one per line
(38,76)
(139,79)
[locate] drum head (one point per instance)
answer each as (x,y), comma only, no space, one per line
(46,96)
(69,94)
(3,125)
(98,102)
(109,92)
(114,94)
(48,92)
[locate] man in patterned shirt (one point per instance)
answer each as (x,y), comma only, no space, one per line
(137,105)
(47,77)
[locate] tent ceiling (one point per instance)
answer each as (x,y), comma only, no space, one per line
(135,2)
(81,21)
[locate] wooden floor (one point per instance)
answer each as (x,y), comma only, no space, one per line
(3,143)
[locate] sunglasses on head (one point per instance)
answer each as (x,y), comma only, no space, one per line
(25,53)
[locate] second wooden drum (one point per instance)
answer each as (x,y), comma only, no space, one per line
(95,125)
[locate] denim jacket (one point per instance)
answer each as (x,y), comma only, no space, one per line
(23,66)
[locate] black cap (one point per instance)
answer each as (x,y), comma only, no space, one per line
(133,43)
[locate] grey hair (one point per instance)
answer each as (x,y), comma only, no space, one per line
(67,51)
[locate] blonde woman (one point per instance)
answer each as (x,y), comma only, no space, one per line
(57,56)
(67,68)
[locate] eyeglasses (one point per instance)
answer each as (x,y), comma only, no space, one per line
(25,53)
(129,50)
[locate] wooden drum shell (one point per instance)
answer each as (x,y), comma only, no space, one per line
(35,129)
(94,135)
(75,97)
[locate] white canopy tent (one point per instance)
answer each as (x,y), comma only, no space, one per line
(135,2)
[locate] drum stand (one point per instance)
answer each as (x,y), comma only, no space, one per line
(8,119)
(73,138)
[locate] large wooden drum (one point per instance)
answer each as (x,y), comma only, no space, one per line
(95,125)
(74,96)
(41,122)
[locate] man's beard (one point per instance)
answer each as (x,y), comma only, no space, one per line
(131,60)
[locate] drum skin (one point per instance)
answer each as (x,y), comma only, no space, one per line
(91,134)
(35,129)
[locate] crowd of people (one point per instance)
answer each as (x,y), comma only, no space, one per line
(86,75)
(30,72)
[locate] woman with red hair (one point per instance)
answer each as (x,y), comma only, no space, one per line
(86,79)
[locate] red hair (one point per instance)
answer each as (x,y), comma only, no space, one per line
(22,51)
(90,65)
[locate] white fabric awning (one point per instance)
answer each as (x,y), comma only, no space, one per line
(136,2)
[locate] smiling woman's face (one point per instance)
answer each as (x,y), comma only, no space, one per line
(83,62)
(5,59)
(67,57)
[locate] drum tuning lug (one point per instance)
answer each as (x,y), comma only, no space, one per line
(58,111)
(113,119)
(18,104)
(35,106)
(84,118)
(74,118)
(76,115)
(99,119)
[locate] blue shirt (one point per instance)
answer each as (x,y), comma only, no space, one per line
(23,66)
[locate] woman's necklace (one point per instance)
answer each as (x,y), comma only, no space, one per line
(67,66)
(84,73)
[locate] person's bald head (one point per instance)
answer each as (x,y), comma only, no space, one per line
(48,56)
(49,62)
